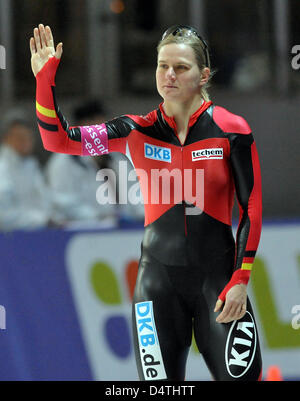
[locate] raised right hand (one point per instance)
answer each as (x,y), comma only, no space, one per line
(42,48)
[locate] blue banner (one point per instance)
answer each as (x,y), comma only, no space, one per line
(65,303)
(41,339)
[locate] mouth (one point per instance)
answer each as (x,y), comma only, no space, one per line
(170,86)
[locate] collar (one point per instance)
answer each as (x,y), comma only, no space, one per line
(193,118)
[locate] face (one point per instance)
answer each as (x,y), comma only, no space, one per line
(178,77)
(20,138)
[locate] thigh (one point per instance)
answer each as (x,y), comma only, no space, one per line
(231,350)
(162,328)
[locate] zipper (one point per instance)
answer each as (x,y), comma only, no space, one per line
(182,174)
(173,125)
(184,205)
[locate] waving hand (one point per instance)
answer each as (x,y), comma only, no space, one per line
(42,48)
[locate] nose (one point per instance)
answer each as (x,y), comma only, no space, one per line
(171,74)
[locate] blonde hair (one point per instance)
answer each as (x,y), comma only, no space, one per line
(190,38)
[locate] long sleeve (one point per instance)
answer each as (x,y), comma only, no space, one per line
(58,136)
(246,170)
(247,178)
(55,132)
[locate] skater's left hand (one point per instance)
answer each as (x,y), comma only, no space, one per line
(235,304)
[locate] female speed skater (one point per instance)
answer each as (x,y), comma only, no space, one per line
(193,273)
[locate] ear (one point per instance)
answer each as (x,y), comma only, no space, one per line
(205,76)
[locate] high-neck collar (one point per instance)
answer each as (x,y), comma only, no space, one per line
(193,118)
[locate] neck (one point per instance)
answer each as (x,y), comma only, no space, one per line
(182,111)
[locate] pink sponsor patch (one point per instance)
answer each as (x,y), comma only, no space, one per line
(94,140)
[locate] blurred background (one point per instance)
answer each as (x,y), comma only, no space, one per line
(58,245)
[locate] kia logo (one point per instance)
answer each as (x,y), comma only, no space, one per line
(240,346)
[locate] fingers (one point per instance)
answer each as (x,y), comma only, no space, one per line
(224,316)
(59,50)
(32,46)
(36,34)
(49,36)
(243,311)
(42,35)
(230,312)
(219,303)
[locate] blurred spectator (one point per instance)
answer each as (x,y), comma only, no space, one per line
(128,212)
(72,179)
(24,198)
(92,113)
(252,72)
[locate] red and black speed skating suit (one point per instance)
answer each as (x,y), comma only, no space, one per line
(188,259)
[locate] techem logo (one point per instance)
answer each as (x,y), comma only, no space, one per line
(205,154)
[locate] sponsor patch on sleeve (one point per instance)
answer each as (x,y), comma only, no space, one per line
(94,140)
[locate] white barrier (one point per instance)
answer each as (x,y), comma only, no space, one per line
(99,265)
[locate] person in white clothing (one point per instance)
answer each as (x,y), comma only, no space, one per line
(25,201)
(73,184)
